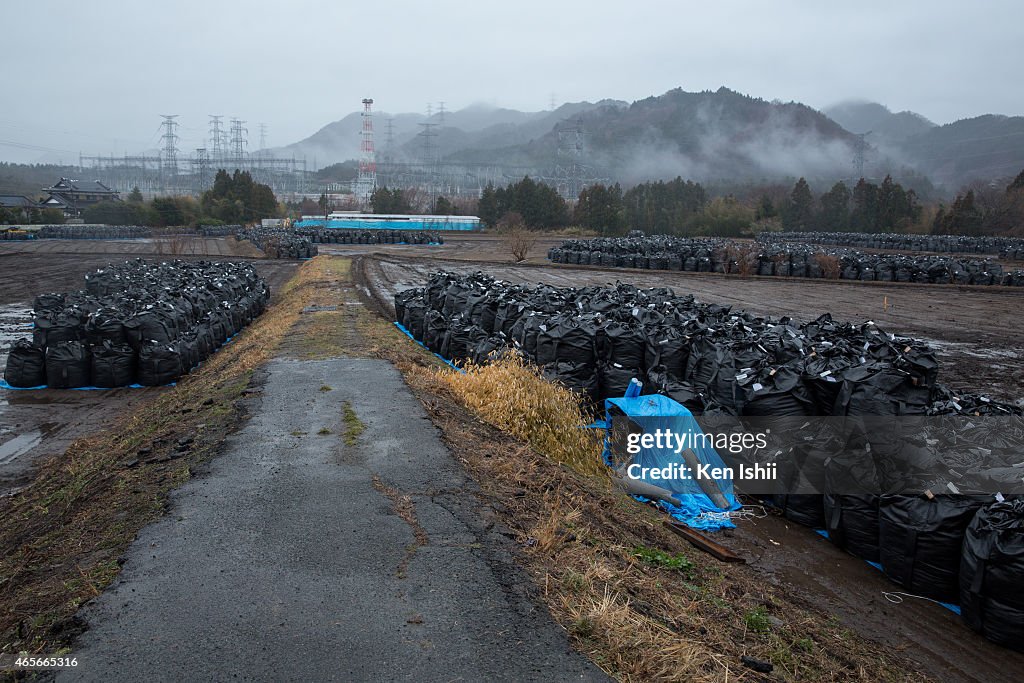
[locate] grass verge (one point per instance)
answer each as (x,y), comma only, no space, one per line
(62,537)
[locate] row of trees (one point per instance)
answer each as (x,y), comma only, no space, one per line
(678,206)
(867,208)
(397,201)
(984,210)
(234,198)
(539,205)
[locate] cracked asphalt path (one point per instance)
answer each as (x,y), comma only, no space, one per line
(287,558)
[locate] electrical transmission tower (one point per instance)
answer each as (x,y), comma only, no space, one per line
(263,136)
(571,173)
(170,147)
(428,158)
(201,168)
(239,141)
(568,169)
(216,137)
(860,151)
(366,183)
(440,114)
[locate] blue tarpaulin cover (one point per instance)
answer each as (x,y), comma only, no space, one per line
(653,412)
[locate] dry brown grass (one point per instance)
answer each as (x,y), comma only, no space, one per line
(513,396)
(829,264)
(741,258)
(578,535)
(62,536)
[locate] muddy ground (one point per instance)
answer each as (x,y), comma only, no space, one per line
(975,329)
(42,423)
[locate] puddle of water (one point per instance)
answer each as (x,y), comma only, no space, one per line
(949,348)
(19,445)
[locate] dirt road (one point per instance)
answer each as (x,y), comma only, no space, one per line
(300,556)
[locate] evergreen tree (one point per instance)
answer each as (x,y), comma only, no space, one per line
(135,197)
(765,208)
(864,215)
(800,213)
(488,208)
(443,207)
(600,208)
(835,208)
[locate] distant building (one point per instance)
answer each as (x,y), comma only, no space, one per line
(17,205)
(73,197)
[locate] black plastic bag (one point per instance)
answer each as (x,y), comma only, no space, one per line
(992,574)
(67,365)
(113,365)
(26,365)
(920,541)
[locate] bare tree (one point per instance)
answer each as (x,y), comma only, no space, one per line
(517,240)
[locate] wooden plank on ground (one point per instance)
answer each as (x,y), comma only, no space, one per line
(702,542)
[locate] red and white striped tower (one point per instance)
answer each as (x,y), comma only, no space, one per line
(366,183)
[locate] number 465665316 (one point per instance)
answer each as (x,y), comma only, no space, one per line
(17,661)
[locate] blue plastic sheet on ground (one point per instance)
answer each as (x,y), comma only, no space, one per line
(408,334)
(648,413)
(948,605)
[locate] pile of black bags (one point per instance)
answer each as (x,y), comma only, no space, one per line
(338,236)
(1006,247)
(94,232)
(219,230)
(136,323)
(741,367)
(707,356)
(280,243)
(782,259)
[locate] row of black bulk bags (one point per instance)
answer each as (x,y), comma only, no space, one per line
(952,244)
(192,307)
(662,252)
(219,230)
(279,242)
(341,236)
(93,232)
(734,362)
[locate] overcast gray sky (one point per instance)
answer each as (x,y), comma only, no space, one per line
(94,76)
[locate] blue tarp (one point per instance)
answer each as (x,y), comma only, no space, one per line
(654,412)
(408,334)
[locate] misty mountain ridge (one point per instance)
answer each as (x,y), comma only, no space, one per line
(881,124)
(710,136)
